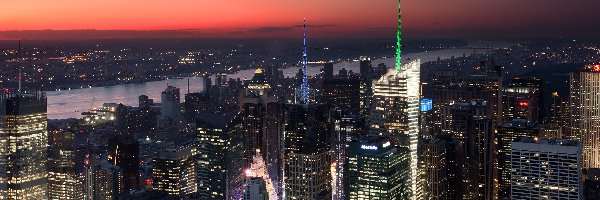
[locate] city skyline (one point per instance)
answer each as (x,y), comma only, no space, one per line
(268,18)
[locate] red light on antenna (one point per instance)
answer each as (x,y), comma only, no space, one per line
(523,104)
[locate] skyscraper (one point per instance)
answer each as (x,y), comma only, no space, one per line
(63,180)
(378,170)
(124,152)
(174,171)
(170,100)
(307,145)
(395,111)
(508,132)
(23,142)
(522,99)
(585,113)
(435,173)
(546,169)
(220,153)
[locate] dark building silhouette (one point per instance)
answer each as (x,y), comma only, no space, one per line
(124,152)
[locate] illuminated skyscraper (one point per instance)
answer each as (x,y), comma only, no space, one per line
(434,165)
(307,145)
(174,171)
(522,99)
(507,133)
(585,113)
(395,112)
(546,169)
(378,170)
(395,109)
(63,180)
(220,153)
(23,146)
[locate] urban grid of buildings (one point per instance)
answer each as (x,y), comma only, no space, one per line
(380,133)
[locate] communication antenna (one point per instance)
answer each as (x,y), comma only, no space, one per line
(304,86)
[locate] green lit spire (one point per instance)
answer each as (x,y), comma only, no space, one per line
(399,41)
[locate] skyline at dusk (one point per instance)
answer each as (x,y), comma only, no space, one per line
(70,19)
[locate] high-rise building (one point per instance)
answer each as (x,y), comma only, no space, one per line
(585,113)
(124,152)
(170,100)
(255,189)
(220,153)
(469,124)
(63,180)
(342,94)
(174,171)
(546,169)
(107,181)
(378,170)
(395,111)
(522,99)
(451,87)
(507,132)
(307,136)
(307,143)
(23,142)
(434,166)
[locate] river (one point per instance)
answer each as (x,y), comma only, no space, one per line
(70,103)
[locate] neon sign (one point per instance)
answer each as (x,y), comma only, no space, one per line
(523,103)
(368,147)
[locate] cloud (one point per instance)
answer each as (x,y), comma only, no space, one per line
(271,29)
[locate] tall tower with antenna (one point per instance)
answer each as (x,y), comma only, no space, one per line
(304,90)
(399,41)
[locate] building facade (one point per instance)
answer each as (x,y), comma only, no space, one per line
(585,113)
(546,169)
(23,146)
(378,170)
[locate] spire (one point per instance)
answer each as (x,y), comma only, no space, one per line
(304,85)
(399,41)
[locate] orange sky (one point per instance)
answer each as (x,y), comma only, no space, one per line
(267,18)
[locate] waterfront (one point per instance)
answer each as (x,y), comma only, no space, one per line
(70,103)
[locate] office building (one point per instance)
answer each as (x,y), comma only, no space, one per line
(585,113)
(378,170)
(307,136)
(124,152)
(342,94)
(174,171)
(63,179)
(23,128)
(546,169)
(522,99)
(395,111)
(220,153)
(507,132)
(170,101)
(434,167)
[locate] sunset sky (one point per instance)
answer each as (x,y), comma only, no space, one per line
(77,19)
